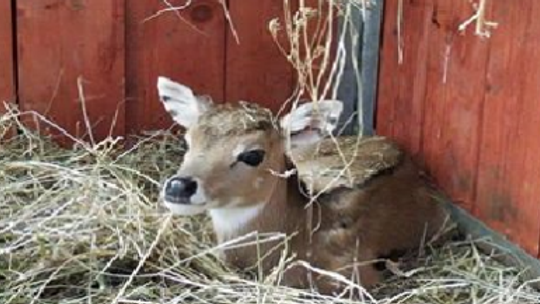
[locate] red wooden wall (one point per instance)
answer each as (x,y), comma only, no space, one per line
(114,52)
(60,41)
(188,47)
(469,108)
(7,77)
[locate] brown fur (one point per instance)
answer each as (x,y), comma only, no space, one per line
(387,207)
(395,211)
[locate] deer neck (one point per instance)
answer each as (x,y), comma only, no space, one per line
(281,212)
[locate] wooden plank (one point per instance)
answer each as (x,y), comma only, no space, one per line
(60,41)
(188,46)
(508,180)
(386,94)
(402,86)
(256,70)
(455,93)
(7,76)
(435,107)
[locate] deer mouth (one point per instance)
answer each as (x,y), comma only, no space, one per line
(182,205)
(184,209)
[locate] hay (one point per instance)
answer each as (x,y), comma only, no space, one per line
(85,226)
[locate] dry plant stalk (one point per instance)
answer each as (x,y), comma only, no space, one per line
(310,33)
(482,25)
(310,36)
(176,10)
(399,23)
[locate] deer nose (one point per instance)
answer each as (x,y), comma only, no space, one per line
(180,189)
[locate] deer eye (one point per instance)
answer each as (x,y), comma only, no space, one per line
(252,158)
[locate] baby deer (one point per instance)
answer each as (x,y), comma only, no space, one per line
(377,205)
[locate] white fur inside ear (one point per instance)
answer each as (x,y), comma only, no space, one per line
(180,102)
(323,115)
(311,121)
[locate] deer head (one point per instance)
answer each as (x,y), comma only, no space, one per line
(233,150)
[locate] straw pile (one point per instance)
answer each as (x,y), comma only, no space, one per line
(85,226)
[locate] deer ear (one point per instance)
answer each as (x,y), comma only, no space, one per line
(184,107)
(310,122)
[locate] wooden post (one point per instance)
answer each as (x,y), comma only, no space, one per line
(7,72)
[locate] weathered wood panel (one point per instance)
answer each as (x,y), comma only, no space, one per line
(509,169)
(453,109)
(60,41)
(187,46)
(401,93)
(469,107)
(256,69)
(425,103)
(7,76)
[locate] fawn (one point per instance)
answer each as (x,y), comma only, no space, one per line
(379,205)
